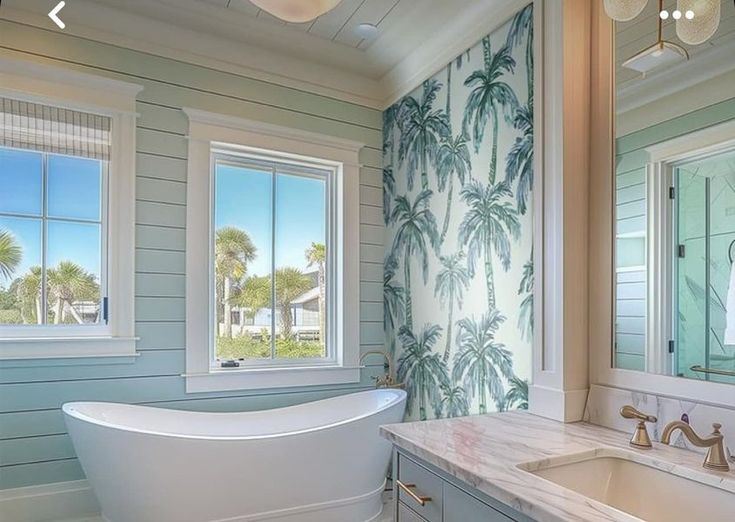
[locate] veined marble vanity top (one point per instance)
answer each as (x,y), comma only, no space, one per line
(498,453)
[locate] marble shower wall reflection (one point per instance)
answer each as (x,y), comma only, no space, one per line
(458,277)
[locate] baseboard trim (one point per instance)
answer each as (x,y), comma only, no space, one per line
(561,405)
(48,502)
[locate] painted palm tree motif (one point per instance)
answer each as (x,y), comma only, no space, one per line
(420,368)
(482,362)
(393,301)
(28,292)
(517,395)
(10,254)
(67,283)
(486,227)
(416,233)
(454,401)
(421,130)
(451,282)
(233,250)
(389,192)
(525,317)
(452,159)
(316,255)
(520,158)
(520,26)
(490,97)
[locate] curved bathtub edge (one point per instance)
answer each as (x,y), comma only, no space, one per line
(313,512)
(65,408)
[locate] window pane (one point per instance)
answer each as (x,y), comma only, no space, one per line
(20,178)
(20,271)
(243,239)
(73,274)
(74,187)
(301,286)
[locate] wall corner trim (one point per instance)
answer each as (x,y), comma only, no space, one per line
(555,404)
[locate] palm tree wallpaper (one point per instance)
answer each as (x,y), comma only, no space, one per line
(458,182)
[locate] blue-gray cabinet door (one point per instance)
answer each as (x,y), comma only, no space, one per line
(463,507)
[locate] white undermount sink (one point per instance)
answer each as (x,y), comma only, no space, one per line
(613,478)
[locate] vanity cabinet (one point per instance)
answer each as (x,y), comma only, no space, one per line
(424,493)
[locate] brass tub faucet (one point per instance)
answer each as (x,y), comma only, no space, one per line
(715,458)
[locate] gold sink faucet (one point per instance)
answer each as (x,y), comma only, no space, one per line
(715,458)
(640,437)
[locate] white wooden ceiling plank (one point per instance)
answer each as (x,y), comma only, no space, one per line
(371,12)
(243,6)
(329,24)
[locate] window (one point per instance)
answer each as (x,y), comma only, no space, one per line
(66,216)
(279,210)
(52,216)
(271,260)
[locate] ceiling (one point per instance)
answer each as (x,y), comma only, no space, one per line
(415,38)
(338,25)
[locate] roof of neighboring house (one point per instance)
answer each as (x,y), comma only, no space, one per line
(307,296)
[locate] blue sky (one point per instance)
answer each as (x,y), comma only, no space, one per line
(244,199)
(73,193)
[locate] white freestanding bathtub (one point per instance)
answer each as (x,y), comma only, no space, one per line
(322,461)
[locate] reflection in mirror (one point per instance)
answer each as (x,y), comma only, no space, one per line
(675,190)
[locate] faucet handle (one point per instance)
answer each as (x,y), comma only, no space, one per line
(640,437)
(629,412)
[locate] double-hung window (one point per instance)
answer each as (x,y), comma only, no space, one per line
(273,244)
(66,216)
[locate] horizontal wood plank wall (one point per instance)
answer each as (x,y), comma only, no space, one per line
(34,446)
(631,221)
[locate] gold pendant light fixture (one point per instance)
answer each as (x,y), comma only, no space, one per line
(702,25)
(696,20)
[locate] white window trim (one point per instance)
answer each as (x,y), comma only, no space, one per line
(206,129)
(50,85)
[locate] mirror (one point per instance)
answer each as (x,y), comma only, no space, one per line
(675,190)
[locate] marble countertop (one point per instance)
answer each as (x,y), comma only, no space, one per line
(485,452)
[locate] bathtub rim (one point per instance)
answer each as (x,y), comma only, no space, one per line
(68,410)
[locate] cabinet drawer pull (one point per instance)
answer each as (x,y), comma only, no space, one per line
(408,489)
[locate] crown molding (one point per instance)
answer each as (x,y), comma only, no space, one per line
(372,77)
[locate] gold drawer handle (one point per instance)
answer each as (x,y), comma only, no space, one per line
(407,488)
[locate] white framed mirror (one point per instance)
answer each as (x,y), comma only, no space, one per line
(663,202)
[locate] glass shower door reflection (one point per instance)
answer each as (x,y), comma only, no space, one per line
(704,243)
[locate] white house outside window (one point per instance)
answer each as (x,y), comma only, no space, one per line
(276,213)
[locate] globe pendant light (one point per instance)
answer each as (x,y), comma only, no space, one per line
(296,11)
(703,25)
(624,10)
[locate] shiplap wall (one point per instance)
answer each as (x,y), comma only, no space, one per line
(631,219)
(34,447)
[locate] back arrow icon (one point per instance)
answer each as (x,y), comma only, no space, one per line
(54,12)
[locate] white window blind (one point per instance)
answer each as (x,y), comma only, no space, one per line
(27,125)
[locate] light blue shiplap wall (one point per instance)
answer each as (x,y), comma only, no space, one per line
(631,223)
(34,447)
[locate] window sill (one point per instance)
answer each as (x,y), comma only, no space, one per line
(265,378)
(31,348)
